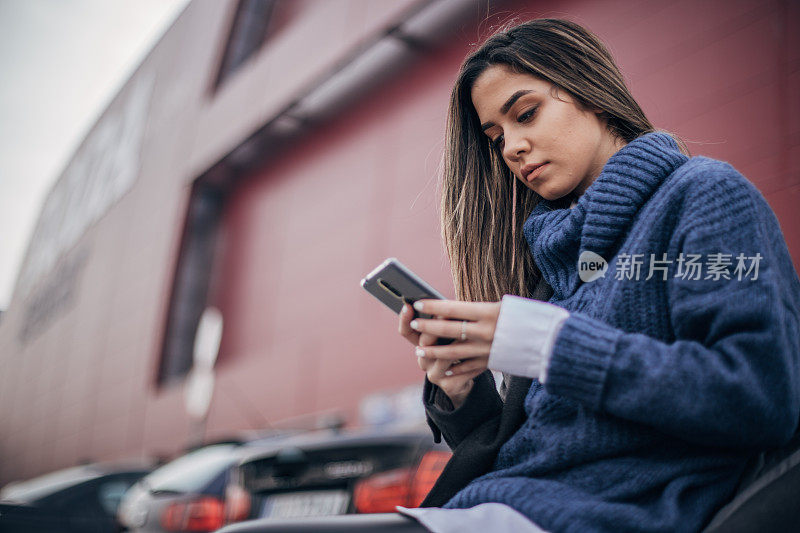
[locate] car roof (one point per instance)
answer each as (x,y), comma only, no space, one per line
(39,487)
(318,440)
(252,437)
(199,465)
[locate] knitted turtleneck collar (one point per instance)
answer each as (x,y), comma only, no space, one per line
(604,213)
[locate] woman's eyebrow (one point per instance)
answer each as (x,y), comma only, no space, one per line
(503,110)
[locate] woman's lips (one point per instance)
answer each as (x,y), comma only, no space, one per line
(536,172)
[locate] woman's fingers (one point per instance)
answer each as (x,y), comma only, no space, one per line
(457,350)
(455,386)
(427,339)
(407,332)
(454,330)
(439,369)
(472,311)
(406,315)
(455,380)
(435,368)
(467,367)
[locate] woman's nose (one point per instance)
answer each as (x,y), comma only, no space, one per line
(515,146)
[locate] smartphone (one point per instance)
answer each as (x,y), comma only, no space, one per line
(394,284)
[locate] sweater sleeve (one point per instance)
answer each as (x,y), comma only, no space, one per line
(482,403)
(731,376)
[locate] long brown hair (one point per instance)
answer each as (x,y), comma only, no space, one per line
(482,209)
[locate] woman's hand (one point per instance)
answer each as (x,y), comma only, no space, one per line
(452,367)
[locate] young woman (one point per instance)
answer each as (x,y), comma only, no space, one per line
(641,304)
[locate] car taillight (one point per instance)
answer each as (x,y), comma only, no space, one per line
(381,492)
(237,504)
(204,514)
(404,486)
(428,471)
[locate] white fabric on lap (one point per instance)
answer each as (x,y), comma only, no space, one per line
(483,517)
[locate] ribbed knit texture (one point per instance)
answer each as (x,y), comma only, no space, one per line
(658,391)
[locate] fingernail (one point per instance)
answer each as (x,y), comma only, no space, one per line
(414,324)
(418,306)
(404,310)
(448,373)
(420,352)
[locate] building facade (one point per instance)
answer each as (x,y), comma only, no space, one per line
(268,154)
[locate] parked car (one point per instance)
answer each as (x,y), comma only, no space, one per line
(365,471)
(82,499)
(765,500)
(189,493)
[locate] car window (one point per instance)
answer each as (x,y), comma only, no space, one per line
(191,472)
(110,494)
(42,486)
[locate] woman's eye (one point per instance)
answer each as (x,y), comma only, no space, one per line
(522,118)
(527,114)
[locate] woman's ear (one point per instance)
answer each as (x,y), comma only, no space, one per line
(601,115)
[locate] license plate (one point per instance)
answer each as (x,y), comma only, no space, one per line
(302,504)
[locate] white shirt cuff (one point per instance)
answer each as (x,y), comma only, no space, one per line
(524,336)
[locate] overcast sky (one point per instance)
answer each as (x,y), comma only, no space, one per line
(61,61)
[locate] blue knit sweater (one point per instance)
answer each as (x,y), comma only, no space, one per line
(658,391)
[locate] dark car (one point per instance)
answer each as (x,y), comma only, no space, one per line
(190,492)
(82,499)
(365,471)
(766,500)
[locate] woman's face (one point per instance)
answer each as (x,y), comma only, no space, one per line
(550,143)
